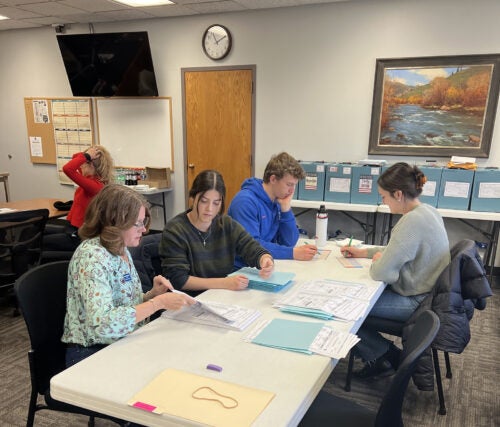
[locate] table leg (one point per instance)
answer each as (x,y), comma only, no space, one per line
(491,253)
(5,180)
(164,206)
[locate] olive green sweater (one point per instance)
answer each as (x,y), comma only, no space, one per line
(185,251)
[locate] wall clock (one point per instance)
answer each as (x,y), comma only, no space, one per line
(217,42)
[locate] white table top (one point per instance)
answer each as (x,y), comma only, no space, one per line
(153,190)
(107,380)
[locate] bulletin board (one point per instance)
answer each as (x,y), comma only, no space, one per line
(136,131)
(41,144)
(57,128)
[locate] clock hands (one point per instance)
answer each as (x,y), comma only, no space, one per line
(218,40)
(222,38)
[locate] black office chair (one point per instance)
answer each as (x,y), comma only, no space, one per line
(41,293)
(330,410)
(21,237)
(466,265)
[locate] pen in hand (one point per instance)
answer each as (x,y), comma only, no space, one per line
(317,249)
(346,253)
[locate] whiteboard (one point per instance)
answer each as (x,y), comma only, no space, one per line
(136,131)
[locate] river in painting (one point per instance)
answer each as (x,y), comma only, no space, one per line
(413,125)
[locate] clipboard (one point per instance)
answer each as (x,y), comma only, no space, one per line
(215,402)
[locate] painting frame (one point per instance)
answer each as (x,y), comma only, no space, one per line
(392,97)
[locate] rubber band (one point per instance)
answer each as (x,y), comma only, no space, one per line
(214,400)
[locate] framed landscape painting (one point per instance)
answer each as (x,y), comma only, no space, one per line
(435,106)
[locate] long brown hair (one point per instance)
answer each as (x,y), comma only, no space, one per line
(113,210)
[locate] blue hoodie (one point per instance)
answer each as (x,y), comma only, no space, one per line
(262,218)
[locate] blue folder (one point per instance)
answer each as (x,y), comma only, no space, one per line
(278,281)
(289,335)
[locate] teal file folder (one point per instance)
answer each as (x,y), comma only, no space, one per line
(289,335)
(276,282)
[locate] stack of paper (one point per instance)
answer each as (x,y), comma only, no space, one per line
(276,282)
(215,314)
(302,337)
(328,299)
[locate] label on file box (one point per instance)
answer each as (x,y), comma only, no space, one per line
(489,190)
(340,185)
(456,189)
(429,189)
(365,183)
(311,182)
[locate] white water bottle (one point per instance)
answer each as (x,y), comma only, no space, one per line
(321,227)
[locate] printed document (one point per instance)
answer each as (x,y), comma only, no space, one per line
(215,314)
(327,299)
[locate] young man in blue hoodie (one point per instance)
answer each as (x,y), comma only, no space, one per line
(264,208)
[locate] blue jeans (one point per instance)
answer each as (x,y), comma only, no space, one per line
(75,354)
(390,305)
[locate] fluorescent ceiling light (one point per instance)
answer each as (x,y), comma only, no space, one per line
(3,17)
(143,3)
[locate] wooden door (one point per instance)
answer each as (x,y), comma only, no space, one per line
(218,120)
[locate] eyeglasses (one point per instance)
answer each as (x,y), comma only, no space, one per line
(142,224)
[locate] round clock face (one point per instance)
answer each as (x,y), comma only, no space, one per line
(217,42)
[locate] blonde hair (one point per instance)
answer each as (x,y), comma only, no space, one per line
(104,166)
(113,210)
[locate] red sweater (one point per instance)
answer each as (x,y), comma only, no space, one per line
(88,187)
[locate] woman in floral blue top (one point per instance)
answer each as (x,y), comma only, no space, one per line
(105,300)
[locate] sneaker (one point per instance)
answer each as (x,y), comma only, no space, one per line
(378,368)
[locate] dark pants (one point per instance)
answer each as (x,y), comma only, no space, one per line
(76,353)
(68,240)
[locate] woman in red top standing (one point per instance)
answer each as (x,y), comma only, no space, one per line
(91,170)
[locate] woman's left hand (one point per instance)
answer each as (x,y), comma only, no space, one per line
(266,266)
(160,286)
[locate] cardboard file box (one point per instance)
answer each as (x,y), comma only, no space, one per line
(338,181)
(364,189)
(157,177)
(313,186)
(430,192)
(455,189)
(486,191)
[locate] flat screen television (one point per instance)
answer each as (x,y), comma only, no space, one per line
(109,64)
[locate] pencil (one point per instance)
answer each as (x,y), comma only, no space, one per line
(346,253)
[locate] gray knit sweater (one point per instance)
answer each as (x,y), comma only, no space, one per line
(417,252)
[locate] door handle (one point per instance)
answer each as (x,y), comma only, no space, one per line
(191,165)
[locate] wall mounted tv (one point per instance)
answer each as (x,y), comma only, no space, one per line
(109,64)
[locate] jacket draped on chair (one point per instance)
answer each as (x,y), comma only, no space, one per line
(459,289)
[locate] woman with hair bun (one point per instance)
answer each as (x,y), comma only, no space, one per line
(410,264)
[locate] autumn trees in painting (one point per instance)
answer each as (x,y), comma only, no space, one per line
(466,90)
(426,103)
